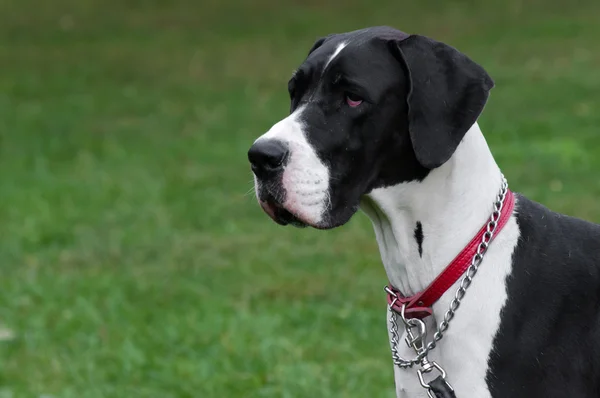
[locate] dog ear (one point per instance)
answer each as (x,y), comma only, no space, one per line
(447,93)
(319,43)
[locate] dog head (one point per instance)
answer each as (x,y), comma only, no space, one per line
(369,109)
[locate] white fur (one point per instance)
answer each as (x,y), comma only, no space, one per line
(305,177)
(453,202)
(336,52)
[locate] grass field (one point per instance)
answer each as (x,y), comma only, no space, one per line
(133,261)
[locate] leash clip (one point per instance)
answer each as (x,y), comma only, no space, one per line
(428,367)
(416,341)
(416,335)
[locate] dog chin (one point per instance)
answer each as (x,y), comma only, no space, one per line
(283,216)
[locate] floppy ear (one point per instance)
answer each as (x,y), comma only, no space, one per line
(447,93)
(319,43)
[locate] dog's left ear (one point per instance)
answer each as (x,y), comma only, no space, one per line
(447,93)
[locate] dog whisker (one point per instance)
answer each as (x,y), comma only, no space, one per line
(250,191)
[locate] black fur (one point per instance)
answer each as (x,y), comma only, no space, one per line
(548,343)
(447,94)
(419,237)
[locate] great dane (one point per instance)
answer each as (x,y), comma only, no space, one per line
(386,122)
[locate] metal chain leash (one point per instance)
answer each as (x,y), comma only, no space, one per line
(417,342)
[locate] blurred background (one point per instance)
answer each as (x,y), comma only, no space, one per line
(134,259)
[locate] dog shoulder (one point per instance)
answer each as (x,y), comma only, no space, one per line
(546,232)
(552,308)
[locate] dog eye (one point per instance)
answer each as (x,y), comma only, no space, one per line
(353,100)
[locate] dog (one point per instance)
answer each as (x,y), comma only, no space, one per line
(386,122)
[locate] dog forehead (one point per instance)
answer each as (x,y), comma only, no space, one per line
(330,47)
(334,45)
(355,52)
(366,37)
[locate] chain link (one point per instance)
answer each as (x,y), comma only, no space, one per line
(460,292)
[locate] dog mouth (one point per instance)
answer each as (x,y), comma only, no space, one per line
(279,214)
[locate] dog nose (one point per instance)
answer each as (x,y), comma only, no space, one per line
(267,157)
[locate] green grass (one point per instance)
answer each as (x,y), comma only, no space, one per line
(134,264)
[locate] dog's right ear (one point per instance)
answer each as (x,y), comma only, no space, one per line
(319,43)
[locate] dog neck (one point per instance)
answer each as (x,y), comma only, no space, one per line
(421,226)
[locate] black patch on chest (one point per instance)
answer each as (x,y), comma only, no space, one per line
(419,237)
(548,341)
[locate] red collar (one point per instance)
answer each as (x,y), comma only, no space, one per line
(419,305)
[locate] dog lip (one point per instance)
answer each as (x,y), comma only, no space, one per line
(268,208)
(279,214)
(271,209)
